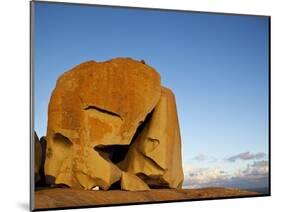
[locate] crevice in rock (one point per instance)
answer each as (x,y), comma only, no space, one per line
(154,182)
(102,110)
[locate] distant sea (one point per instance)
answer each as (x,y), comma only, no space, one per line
(264,190)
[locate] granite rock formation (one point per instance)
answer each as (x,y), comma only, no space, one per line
(111,123)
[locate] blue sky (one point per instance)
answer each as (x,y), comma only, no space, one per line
(217,66)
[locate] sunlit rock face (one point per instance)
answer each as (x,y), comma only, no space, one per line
(102,113)
(155,155)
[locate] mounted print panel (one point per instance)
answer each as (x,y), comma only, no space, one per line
(137,105)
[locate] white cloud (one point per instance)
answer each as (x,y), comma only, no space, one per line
(202,177)
(255,170)
(246,156)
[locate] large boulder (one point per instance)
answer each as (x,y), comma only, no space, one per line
(95,108)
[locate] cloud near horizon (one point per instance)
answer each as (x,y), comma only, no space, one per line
(246,156)
(255,175)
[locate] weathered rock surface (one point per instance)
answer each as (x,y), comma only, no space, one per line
(94,106)
(58,198)
(155,156)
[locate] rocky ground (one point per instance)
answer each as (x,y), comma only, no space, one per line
(66,197)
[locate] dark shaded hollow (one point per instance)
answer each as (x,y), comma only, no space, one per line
(115,153)
(61,139)
(115,186)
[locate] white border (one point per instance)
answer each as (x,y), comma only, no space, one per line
(14,111)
